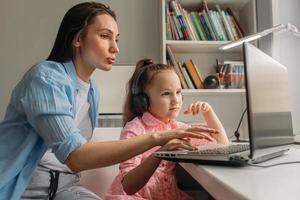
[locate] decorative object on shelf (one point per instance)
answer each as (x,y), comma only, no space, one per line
(277,28)
(211,82)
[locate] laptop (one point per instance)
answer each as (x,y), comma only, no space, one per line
(269,117)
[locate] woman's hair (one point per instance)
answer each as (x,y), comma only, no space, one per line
(144,73)
(75,21)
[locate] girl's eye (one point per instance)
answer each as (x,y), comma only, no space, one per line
(178,92)
(165,93)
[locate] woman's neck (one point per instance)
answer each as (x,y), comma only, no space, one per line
(84,72)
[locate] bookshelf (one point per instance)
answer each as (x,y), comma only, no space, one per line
(228,103)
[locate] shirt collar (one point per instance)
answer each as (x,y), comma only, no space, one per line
(150,120)
(70,69)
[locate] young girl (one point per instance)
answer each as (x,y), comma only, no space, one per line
(153,102)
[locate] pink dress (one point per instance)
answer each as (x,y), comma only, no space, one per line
(162,184)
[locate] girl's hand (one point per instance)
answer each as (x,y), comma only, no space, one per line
(176,144)
(200,132)
(197,107)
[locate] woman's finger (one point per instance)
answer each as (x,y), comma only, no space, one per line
(202,129)
(199,125)
(200,135)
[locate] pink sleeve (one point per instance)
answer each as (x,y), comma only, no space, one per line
(132,129)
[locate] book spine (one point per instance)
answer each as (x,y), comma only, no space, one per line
(187,77)
(197,26)
(208,22)
(205,27)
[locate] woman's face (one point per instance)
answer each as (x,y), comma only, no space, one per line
(164,94)
(97,46)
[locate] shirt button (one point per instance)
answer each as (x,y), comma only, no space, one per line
(165,179)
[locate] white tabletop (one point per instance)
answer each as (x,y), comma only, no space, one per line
(277,182)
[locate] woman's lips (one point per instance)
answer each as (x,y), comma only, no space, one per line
(111,61)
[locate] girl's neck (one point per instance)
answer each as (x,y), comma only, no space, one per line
(165,121)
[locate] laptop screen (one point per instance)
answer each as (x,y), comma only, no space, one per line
(267,95)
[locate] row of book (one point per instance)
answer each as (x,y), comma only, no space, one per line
(230,74)
(187,71)
(204,24)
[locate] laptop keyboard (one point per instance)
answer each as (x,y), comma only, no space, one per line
(217,149)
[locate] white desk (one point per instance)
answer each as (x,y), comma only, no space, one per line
(230,183)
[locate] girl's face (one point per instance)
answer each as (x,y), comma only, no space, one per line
(164,94)
(97,46)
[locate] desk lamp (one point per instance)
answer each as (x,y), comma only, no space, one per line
(277,28)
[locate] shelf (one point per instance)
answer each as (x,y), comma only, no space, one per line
(188,92)
(184,46)
(233,4)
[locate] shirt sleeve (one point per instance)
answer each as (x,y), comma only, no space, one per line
(48,108)
(131,129)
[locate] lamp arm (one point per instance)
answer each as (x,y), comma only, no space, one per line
(276,28)
(279,27)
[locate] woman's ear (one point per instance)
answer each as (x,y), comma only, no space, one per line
(76,41)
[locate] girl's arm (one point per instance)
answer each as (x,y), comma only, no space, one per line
(100,154)
(211,119)
(138,177)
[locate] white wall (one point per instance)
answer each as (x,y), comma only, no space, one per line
(28,30)
(284,47)
(287,51)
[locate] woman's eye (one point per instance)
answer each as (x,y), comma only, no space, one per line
(104,36)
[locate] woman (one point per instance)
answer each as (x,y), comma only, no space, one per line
(55,107)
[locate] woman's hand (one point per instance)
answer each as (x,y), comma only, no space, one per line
(197,107)
(176,144)
(200,132)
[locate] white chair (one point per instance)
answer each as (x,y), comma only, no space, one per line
(99,180)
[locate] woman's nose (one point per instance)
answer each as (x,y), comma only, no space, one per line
(114,47)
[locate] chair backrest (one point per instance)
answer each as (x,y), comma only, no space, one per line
(99,180)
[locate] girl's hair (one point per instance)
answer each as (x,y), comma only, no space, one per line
(144,73)
(75,21)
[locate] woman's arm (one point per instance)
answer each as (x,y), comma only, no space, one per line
(100,154)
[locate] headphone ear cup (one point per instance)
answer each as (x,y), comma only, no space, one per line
(140,103)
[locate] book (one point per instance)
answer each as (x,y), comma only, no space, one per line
(198,72)
(225,23)
(176,67)
(194,74)
(238,26)
(205,26)
(231,74)
(208,22)
(180,19)
(181,74)
(197,25)
(187,77)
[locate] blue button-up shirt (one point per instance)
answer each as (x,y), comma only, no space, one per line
(40,115)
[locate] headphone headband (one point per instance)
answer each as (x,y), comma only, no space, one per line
(135,87)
